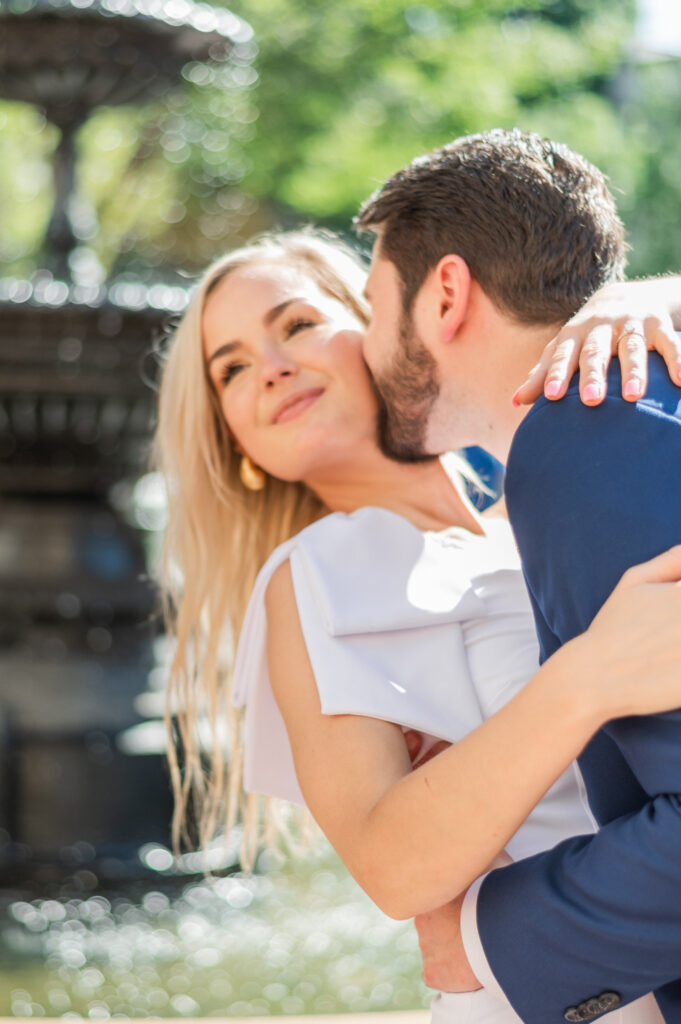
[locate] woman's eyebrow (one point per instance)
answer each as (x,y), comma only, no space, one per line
(268,319)
(224,350)
(276,311)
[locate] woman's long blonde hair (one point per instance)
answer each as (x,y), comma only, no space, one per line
(219,534)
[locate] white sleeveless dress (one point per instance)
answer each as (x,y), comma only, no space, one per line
(431,631)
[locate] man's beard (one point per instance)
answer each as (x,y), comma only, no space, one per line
(407,392)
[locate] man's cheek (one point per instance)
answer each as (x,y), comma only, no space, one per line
(367,341)
(371,349)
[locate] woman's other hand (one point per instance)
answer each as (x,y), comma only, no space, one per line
(415,744)
(630,656)
(626,319)
(445,964)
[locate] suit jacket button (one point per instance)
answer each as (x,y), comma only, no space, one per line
(609,1000)
(573,1013)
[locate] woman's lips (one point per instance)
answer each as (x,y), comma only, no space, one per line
(296,404)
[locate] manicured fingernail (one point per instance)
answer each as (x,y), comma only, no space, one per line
(552,388)
(591,393)
(515,401)
(632,389)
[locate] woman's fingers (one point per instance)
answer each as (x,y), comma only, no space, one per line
(552,373)
(563,363)
(530,390)
(664,339)
(436,749)
(664,568)
(586,346)
(635,636)
(594,360)
(414,742)
(632,349)
(589,344)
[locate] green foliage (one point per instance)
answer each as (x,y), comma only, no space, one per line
(339,96)
(350,92)
(26,142)
(651,205)
(156,186)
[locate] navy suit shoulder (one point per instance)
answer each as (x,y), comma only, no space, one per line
(591,492)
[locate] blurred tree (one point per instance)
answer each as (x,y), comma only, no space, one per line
(338,97)
(651,207)
(156,185)
(349,93)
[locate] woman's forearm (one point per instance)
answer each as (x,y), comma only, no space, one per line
(442,825)
(438,828)
(415,840)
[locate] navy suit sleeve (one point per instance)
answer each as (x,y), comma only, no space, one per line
(591,492)
(601,759)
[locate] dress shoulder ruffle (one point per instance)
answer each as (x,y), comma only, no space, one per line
(381,606)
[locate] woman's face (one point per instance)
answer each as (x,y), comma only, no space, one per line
(286,363)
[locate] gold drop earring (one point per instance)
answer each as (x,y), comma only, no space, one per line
(252,476)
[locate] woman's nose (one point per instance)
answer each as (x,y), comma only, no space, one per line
(275,366)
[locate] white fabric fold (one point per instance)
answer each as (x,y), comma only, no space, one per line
(375,646)
(431,631)
(411,591)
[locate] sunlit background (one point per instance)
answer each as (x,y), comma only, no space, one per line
(276,114)
(328,99)
(284,941)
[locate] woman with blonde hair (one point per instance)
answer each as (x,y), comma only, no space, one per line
(367,597)
(218,502)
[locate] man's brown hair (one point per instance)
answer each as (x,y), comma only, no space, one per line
(534,221)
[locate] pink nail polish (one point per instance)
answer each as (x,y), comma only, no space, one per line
(552,388)
(632,389)
(591,393)
(514,399)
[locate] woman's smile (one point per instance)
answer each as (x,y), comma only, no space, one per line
(295,405)
(274,344)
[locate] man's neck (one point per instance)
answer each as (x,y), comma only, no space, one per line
(517,348)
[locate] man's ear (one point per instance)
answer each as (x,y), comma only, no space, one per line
(453,281)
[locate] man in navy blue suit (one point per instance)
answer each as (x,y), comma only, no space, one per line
(483,249)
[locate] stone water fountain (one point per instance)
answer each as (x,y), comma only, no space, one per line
(78,617)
